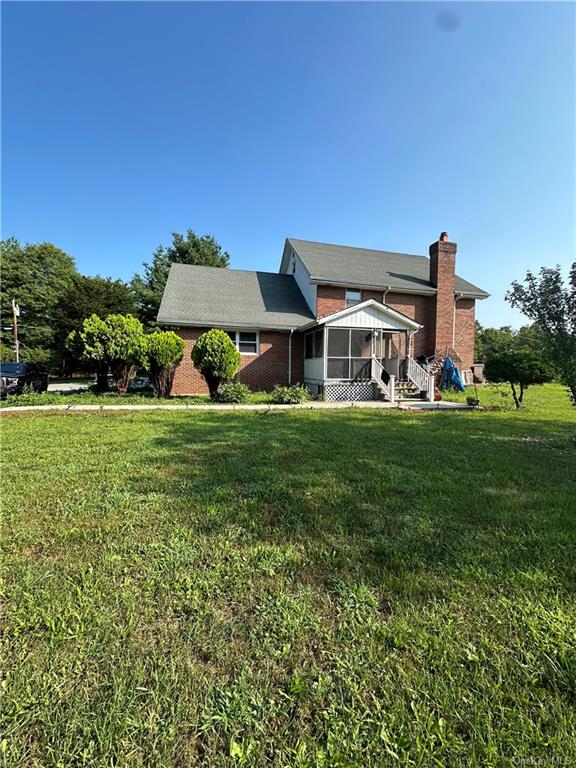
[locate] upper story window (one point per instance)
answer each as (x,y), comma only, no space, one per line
(247,343)
(353,297)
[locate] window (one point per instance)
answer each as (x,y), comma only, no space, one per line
(314,344)
(353,297)
(246,342)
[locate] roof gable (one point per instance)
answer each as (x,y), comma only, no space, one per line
(367,268)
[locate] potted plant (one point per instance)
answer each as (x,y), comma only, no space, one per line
(473,402)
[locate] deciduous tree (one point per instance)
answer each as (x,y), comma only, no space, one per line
(87,296)
(36,275)
(190,248)
(519,367)
(547,301)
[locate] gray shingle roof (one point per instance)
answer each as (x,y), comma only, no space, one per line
(371,269)
(234,298)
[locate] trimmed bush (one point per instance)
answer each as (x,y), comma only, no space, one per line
(164,349)
(290,395)
(233,392)
(216,357)
(117,342)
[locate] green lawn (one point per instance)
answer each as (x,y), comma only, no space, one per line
(305,588)
(82,397)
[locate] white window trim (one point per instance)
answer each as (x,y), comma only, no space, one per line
(237,342)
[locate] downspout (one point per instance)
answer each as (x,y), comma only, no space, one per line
(290,357)
(456,297)
(384,294)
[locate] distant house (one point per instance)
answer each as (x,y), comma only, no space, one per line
(349,323)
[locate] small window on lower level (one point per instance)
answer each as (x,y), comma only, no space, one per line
(246,341)
(353,297)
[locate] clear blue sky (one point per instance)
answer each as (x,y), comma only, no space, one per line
(370,124)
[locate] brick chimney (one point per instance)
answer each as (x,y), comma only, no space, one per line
(442,277)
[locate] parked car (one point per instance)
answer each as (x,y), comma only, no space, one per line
(15,376)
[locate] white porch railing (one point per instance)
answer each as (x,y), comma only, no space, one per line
(389,388)
(423,380)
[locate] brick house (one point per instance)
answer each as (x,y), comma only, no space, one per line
(349,323)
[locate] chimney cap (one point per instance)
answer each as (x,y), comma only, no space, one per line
(443,237)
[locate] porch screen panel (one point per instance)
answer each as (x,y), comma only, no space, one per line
(360,343)
(338,342)
(361,368)
(338,363)
(338,368)
(349,354)
(319,343)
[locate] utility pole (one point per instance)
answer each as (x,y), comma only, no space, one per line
(16,315)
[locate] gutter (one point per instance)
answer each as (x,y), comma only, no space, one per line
(290,357)
(371,287)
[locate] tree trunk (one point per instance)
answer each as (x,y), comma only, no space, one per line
(213,384)
(514,395)
(521,398)
(162,380)
(123,372)
(102,379)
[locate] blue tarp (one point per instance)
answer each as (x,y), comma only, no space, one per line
(451,376)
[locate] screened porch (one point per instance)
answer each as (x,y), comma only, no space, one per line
(353,354)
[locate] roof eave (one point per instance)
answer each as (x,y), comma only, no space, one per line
(472,295)
(395,289)
(372,286)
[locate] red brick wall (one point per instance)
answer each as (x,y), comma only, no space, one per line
(418,308)
(464,330)
(376,295)
(259,372)
(329,298)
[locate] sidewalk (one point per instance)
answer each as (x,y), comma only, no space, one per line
(231,407)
